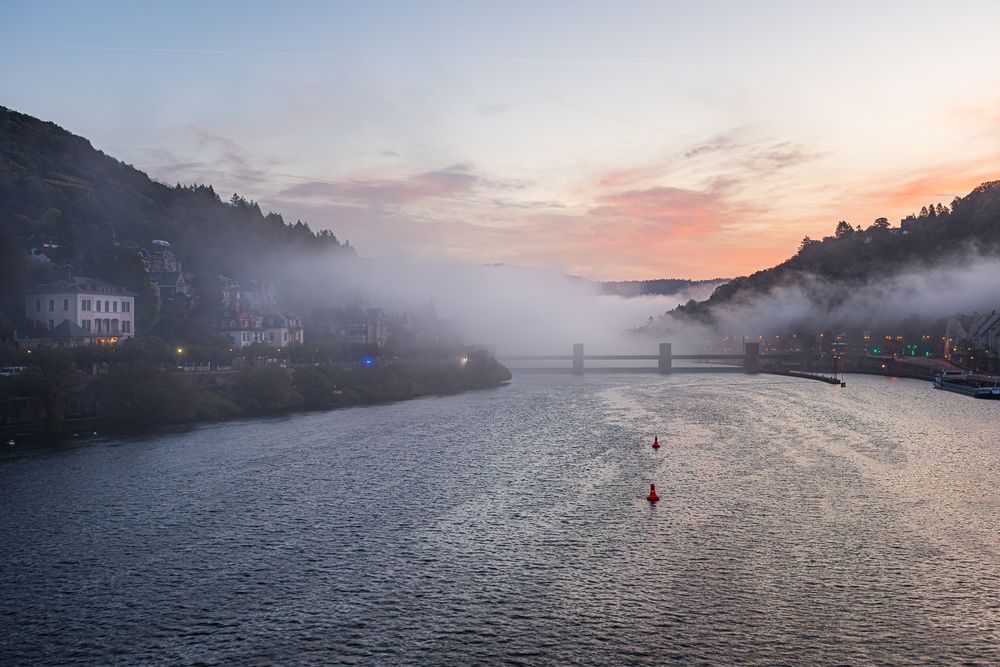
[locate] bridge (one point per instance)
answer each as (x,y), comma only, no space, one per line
(748,362)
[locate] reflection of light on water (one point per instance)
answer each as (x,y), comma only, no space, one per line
(784,504)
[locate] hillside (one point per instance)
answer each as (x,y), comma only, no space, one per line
(852,258)
(656,287)
(58,191)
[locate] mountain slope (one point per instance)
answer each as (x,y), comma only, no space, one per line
(58,190)
(834,267)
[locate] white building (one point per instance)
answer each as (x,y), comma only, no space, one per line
(104,310)
(282,330)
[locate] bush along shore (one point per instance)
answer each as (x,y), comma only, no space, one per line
(56,392)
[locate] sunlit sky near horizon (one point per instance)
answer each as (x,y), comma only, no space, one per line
(612,140)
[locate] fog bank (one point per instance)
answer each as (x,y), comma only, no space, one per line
(516,310)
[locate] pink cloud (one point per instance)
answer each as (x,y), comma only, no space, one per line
(673,212)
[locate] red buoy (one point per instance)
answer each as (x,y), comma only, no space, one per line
(652,497)
(656,442)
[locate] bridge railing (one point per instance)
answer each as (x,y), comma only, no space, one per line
(750,360)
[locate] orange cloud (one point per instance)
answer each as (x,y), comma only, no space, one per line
(663,211)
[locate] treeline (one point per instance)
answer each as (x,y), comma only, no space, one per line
(58,191)
(140,392)
(657,287)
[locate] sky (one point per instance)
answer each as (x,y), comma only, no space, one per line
(612,140)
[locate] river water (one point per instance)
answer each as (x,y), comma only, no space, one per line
(799,523)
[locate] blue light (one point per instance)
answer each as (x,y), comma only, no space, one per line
(369,361)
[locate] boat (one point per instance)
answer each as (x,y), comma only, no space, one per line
(968,385)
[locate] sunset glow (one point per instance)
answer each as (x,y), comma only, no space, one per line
(635,141)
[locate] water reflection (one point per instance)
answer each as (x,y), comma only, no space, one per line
(798,523)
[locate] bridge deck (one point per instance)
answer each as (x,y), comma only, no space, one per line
(612,357)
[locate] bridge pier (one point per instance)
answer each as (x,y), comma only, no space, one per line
(751,357)
(665,362)
(578,357)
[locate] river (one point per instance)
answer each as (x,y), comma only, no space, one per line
(800,523)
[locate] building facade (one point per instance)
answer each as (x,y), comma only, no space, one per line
(246,328)
(99,308)
(353,324)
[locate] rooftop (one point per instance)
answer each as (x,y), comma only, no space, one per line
(80,284)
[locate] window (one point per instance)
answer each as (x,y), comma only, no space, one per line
(98,305)
(52,325)
(114,306)
(126,307)
(107,306)
(38,305)
(52,305)
(86,325)
(65,304)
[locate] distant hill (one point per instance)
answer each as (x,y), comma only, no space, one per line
(655,287)
(854,256)
(58,191)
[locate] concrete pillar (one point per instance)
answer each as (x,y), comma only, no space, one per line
(577,357)
(751,357)
(666,362)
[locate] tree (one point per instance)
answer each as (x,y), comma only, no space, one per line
(316,386)
(52,375)
(141,393)
(266,389)
(844,230)
(121,266)
(881,223)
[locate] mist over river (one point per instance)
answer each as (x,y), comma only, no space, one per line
(799,523)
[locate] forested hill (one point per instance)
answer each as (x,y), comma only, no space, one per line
(856,255)
(655,287)
(58,190)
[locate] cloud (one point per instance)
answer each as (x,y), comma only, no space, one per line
(665,210)
(232,151)
(925,291)
(719,144)
(447,182)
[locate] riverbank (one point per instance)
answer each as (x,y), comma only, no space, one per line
(96,428)
(135,397)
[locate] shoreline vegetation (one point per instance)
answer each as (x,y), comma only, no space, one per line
(59,393)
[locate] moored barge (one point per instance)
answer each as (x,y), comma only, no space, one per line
(967,385)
